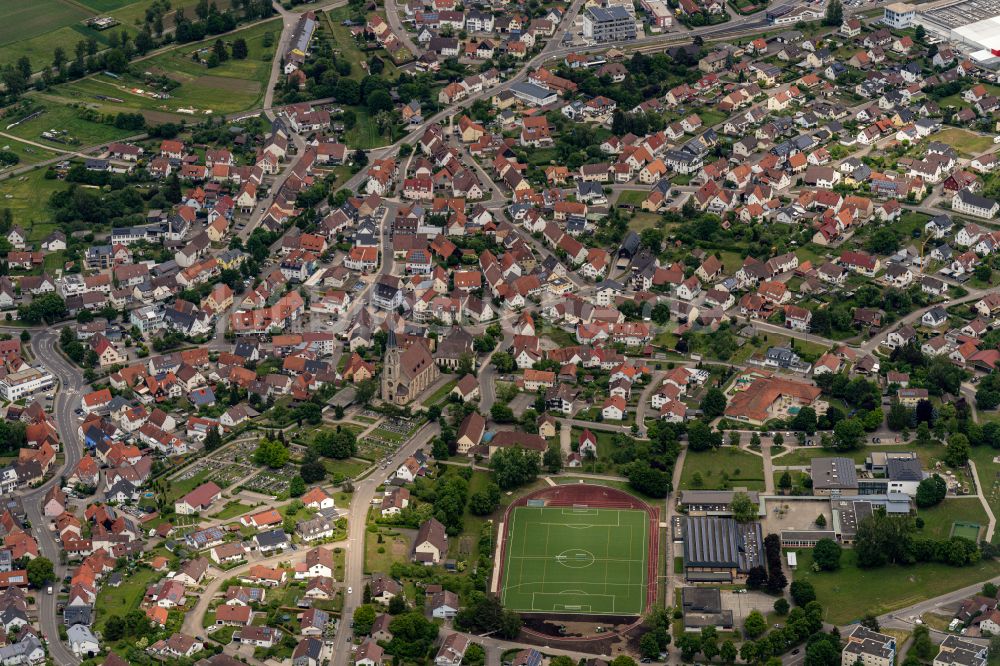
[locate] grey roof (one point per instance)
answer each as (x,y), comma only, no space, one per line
(722,542)
(73,615)
(532,90)
(79,633)
(303,34)
(900,469)
(630,245)
(974,200)
(612,13)
(865,641)
(833,473)
(702,599)
(272,538)
(955,650)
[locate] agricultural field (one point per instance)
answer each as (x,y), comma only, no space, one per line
(576,560)
(35,30)
(235,85)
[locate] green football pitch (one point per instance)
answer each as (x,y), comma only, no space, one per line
(576,560)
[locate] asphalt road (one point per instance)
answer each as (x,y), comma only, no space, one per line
(354,575)
(67,399)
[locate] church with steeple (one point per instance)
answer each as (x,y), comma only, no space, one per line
(406,373)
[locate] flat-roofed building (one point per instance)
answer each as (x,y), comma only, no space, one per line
(608,24)
(25,382)
(703,608)
(899,15)
(713,502)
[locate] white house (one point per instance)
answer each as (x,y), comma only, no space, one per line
(82,641)
(614,408)
(970,203)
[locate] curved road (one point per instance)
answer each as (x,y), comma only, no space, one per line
(364,493)
(67,399)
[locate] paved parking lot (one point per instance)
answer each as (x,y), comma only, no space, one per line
(742,604)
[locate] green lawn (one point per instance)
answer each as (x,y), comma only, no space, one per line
(388,435)
(395,547)
(850,592)
(557,335)
(465,546)
(178,489)
(731,261)
(568,560)
(808,351)
(643,220)
(231,510)
(26,197)
(605,447)
(126,597)
(442,393)
(798,478)
(964,141)
(631,197)
(711,117)
(938,519)
(302,513)
(989,476)
(727,467)
(364,134)
(28,154)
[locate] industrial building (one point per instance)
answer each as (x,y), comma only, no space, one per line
(971,25)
